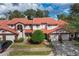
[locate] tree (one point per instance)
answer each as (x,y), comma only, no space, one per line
(45,13)
(38,36)
(2,18)
(75,9)
(62,16)
(72,19)
(15,14)
(30,13)
(39,13)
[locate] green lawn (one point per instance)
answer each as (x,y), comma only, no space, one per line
(22,45)
(21,49)
(22,53)
(76,43)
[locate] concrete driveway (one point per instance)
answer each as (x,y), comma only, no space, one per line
(65,49)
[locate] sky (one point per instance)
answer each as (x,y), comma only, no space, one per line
(53,8)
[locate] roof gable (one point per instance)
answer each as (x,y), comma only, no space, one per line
(20,20)
(4,22)
(8,29)
(46,20)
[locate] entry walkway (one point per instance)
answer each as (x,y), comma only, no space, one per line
(65,49)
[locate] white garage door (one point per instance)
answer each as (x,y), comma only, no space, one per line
(54,37)
(10,37)
(65,36)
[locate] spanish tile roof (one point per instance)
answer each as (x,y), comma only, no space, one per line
(28,31)
(8,29)
(20,20)
(61,22)
(50,21)
(44,20)
(55,29)
(4,22)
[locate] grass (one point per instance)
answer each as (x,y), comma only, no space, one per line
(21,49)
(76,43)
(22,53)
(22,45)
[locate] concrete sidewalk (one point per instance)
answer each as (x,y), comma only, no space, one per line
(6,53)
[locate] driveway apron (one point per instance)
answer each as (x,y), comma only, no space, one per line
(65,49)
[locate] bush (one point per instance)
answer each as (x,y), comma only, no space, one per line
(77,40)
(37,37)
(9,41)
(20,40)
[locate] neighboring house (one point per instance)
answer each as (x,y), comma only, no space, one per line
(22,27)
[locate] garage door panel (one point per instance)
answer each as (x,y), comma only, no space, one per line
(10,37)
(54,37)
(65,37)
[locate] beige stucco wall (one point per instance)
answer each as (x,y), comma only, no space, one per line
(5,32)
(27,27)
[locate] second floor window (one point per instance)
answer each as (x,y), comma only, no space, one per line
(19,27)
(37,26)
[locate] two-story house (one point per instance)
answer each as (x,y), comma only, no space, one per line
(22,27)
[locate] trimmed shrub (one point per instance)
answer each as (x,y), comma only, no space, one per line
(20,40)
(9,41)
(37,37)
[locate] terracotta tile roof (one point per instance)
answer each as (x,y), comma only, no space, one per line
(55,29)
(31,31)
(20,20)
(28,31)
(61,22)
(51,21)
(44,20)
(4,22)
(47,20)
(8,29)
(46,31)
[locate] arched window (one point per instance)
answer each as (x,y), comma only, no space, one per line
(19,27)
